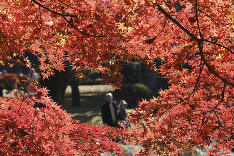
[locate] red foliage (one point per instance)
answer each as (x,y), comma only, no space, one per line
(40,127)
(98,35)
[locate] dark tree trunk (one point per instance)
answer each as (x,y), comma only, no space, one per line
(1,94)
(58,83)
(75,93)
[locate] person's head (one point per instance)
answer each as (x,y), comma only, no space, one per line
(123,104)
(32,70)
(109,97)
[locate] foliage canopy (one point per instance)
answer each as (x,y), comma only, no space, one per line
(96,35)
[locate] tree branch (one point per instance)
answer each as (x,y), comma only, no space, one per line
(198,21)
(177,23)
(212,18)
(199,41)
(219,122)
(216,23)
(219,45)
(211,69)
(65,4)
(27,93)
(224,86)
(196,84)
(82,32)
(57,13)
(25,90)
(64,16)
(164,25)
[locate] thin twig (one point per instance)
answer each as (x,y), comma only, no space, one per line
(198,21)
(177,23)
(219,45)
(196,84)
(209,67)
(57,13)
(212,18)
(82,32)
(230,132)
(224,86)
(164,25)
(65,4)
(217,24)
(67,15)
(194,89)
(199,41)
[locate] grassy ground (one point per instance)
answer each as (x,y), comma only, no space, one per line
(92,98)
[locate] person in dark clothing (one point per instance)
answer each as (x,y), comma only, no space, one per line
(109,111)
(122,114)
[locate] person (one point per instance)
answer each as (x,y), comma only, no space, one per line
(122,114)
(32,76)
(109,111)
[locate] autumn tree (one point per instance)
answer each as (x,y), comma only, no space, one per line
(97,35)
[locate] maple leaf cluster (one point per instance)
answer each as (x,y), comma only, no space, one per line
(38,126)
(196,47)
(193,39)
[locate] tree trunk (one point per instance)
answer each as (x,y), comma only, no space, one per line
(58,83)
(139,72)
(75,93)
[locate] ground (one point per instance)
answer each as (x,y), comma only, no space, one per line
(92,98)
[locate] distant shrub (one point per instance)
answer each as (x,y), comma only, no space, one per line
(94,75)
(89,81)
(132,93)
(130,72)
(98,81)
(93,78)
